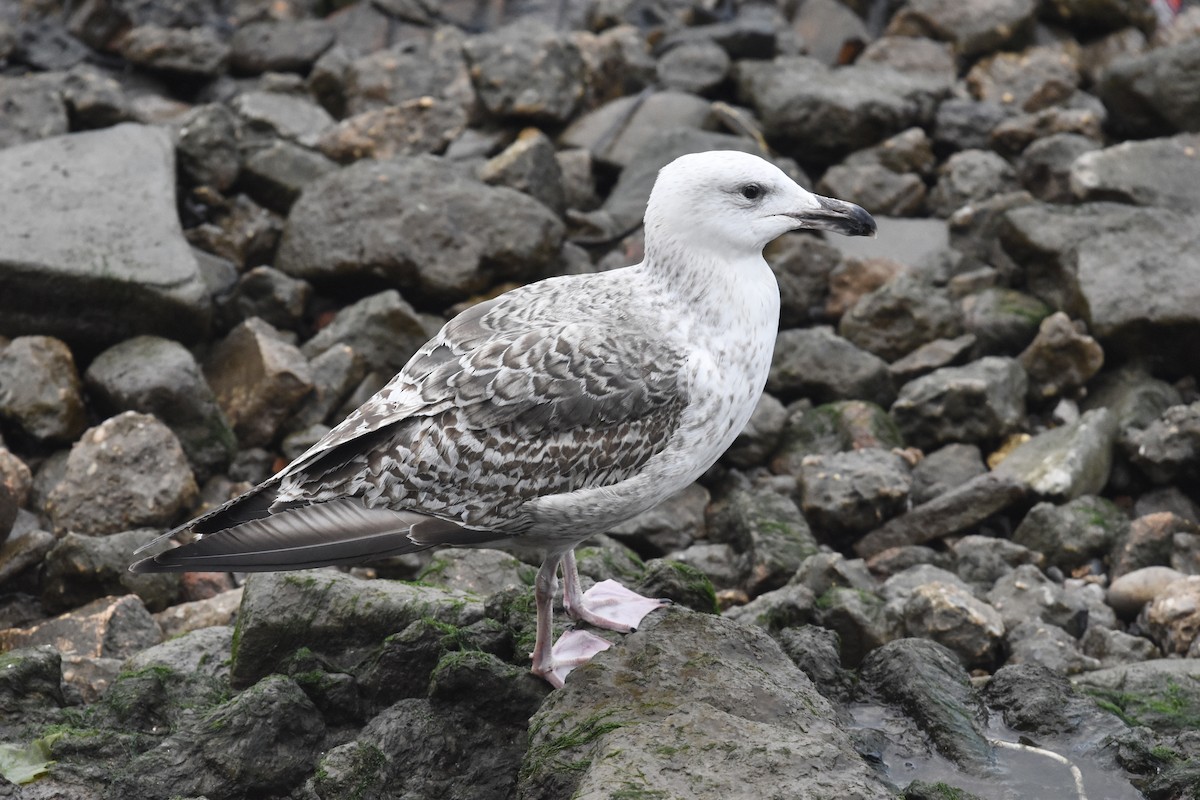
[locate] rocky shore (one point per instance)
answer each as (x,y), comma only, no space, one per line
(956,553)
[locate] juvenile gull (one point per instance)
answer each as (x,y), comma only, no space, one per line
(550,413)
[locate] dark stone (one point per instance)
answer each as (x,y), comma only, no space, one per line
(802,265)
(963,124)
(33,110)
(974,28)
(758,440)
(816,651)
(1034,79)
(191,52)
(1159,172)
(1169,448)
(1004,321)
(769,532)
(278,299)
(383,330)
(696,67)
(1046,165)
(422,125)
(207,145)
(970,176)
(899,317)
(276,175)
(1041,702)
(279,46)
(850,493)
(1154,93)
(111,627)
(528,165)
(526,72)
(876,188)
(80,569)
(983,401)
(833,428)
(818,364)
(40,391)
(945,469)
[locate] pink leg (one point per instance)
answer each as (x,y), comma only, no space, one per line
(607,605)
(554,663)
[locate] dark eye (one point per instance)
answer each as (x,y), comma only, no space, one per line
(752,191)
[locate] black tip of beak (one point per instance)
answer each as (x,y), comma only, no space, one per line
(845,218)
(861,223)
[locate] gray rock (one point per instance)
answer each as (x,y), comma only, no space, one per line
(1027,594)
(287,116)
(220,610)
(1071,535)
(861,619)
(432,66)
(1161,694)
(356,223)
(337,616)
(261,742)
(954,618)
(80,569)
(160,377)
(1045,167)
(973,28)
(833,428)
(830,30)
(1150,94)
(1043,703)
(719,563)
(33,110)
(822,571)
(932,356)
(803,266)
(1134,397)
(778,610)
(1114,648)
(264,292)
(420,125)
(276,175)
(111,627)
(279,45)
(1169,448)
(528,165)
(1130,592)
(909,54)
(768,530)
(740,693)
(620,130)
(955,511)
(968,177)
(31,682)
(929,685)
(757,441)
(816,652)
(40,390)
(1032,80)
(899,317)
(206,144)
(1158,172)
(195,52)
(944,469)
(963,124)
(983,560)
(910,151)
(818,364)
(480,572)
(127,472)
(875,188)
(95,99)
(1094,16)
(982,401)
(336,372)
(1048,646)
(671,525)
(679,582)
(526,72)
(825,112)
(1066,462)
(382,329)
(695,67)
(850,493)
(121,267)
(258,379)
(1004,321)
(1150,542)
(1061,358)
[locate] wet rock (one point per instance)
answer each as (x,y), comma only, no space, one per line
(968,177)
(816,652)
(1073,534)
(416,246)
(719,563)
(1049,646)
(770,532)
(861,619)
(111,627)
(1173,616)
(160,377)
(900,316)
(1031,80)
(382,329)
(33,110)
(973,28)
(982,560)
(1066,462)
(758,439)
(190,52)
(777,610)
(671,525)
(818,364)
(1169,447)
(1003,321)
(712,703)
(333,614)
(263,741)
(196,615)
(833,428)
(129,471)
(1061,358)
(679,582)
(954,618)
(851,493)
(695,67)
(279,46)
(876,188)
(1160,694)
(944,469)
(1146,94)
(276,175)
(1130,592)
(528,165)
(830,112)
(526,72)
(1113,648)
(1040,702)
(206,144)
(927,682)
(40,391)
(30,681)
(954,511)
(80,569)
(803,266)
(121,267)
(1158,172)
(982,401)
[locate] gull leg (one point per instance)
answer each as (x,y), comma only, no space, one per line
(554,663)
(608,604)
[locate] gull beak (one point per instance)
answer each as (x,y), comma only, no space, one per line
(837,216)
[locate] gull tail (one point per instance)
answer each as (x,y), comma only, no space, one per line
(341,531)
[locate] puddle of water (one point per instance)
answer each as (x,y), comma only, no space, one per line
(1019,775)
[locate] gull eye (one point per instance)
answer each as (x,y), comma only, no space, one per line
(751,191)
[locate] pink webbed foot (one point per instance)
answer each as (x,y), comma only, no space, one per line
(611,606)
(573,649)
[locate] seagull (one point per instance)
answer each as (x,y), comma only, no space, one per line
(551,413)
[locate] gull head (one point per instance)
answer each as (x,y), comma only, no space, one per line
(735,203)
